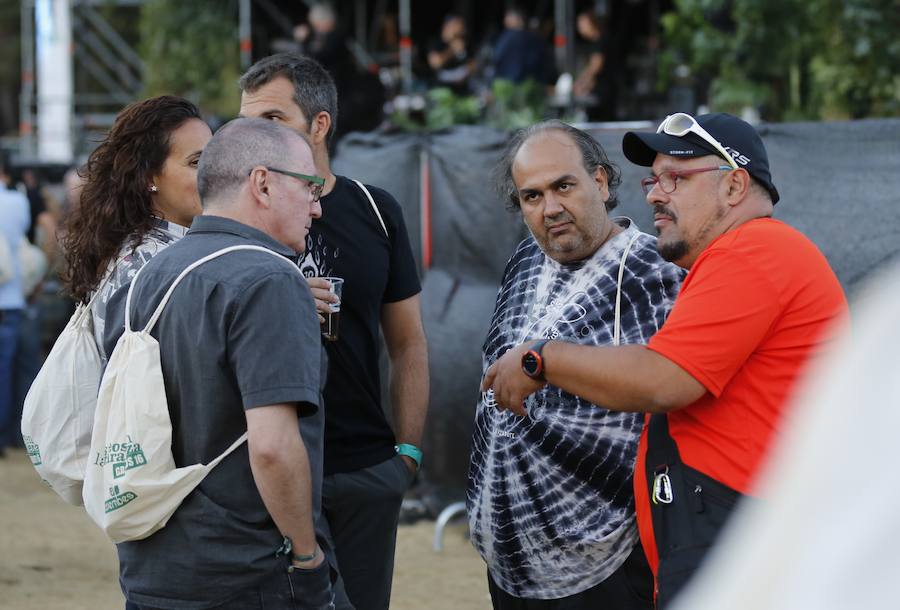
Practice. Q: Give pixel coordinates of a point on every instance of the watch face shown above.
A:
(531, 364)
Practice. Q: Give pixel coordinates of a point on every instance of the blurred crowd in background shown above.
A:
(46, 309)
(465, 59)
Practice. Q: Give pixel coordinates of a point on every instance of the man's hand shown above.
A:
(321, 291)
(510, 383)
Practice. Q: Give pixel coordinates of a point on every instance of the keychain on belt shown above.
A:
(662, 486)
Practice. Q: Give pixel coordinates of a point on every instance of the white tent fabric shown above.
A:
(826, 536)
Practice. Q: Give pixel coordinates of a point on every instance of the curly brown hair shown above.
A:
(115, 201)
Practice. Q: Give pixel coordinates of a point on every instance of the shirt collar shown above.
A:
(172, 228)
(218, 224)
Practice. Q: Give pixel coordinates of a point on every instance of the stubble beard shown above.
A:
(673, 251)
(677, 250)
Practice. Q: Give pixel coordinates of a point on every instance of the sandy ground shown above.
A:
(53, 558)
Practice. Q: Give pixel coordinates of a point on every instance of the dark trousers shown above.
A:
(10, 327)
(284, 590)
(362, 509)
(26, 364)
(628, 588)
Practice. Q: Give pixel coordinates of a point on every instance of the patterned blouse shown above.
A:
(125, 266)
(550, 499)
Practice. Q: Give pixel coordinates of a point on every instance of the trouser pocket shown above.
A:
(312, 589)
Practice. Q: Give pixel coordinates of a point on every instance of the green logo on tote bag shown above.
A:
(122, 456)
(117, 500)
(33, 450)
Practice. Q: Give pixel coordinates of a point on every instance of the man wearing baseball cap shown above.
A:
(758, 303)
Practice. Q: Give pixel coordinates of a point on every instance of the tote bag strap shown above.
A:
(228, 451)
(374, 207)
(618, 326)
(82, 311)
(188, 269)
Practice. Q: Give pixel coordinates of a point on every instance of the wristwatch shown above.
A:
(533, 362)
(287, 550)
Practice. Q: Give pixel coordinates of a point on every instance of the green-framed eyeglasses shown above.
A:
(316, 184)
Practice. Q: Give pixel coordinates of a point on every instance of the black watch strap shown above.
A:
(533, 361)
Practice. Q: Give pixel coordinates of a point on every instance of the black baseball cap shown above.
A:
(738, 137)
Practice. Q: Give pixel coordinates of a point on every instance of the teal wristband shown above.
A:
(410, 451)
(305, 558)
(287, 549)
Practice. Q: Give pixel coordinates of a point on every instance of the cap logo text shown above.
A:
(737, 156)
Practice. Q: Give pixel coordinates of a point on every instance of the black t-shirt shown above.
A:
(349, 242)
(455, 72)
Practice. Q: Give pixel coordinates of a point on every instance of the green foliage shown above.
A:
(692, 40)
(788, 58)
(446, 109)
(514, 106)
(191, 49)
(10, 43)
(509, 106)
(10, 67)
(857, 71)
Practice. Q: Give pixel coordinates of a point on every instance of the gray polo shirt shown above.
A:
(239, 332)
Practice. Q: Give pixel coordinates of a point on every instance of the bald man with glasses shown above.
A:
(758, 303)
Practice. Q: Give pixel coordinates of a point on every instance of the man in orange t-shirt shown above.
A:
(760, 301)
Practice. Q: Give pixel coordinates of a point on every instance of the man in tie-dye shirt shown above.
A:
(550, 500)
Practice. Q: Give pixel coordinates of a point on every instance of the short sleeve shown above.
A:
(403, 277)
(273, 342)
(725, 309)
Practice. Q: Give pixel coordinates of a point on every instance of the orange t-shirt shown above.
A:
(758, 302)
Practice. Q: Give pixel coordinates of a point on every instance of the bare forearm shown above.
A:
(281, 470)
(624, 378)
(409, 392)
(408, 351)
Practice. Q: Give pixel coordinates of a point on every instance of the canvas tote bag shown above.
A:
(7, 264)
(132, 486)
(59, 409)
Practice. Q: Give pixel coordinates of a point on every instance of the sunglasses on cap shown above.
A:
(681, 124)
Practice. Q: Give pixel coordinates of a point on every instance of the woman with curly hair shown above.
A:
(139, 196)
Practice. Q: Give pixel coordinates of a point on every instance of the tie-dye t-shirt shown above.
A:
(550, 500)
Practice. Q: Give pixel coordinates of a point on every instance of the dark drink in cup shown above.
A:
(331, 325)
(332, 321)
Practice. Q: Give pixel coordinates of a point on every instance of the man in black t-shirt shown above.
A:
(362, 238)
(595, 68)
